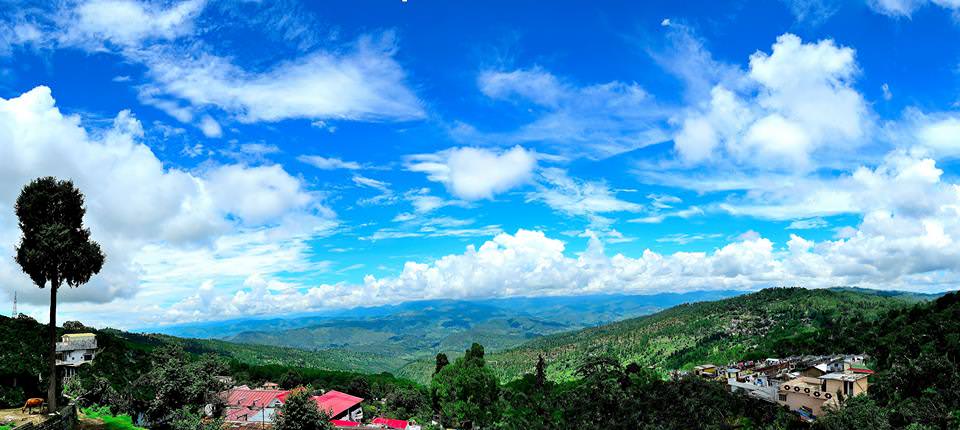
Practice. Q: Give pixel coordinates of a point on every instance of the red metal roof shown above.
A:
(860, 370)
(247, 398)
(391, 423)
(334, 402)
(238, 414)
(342, 423)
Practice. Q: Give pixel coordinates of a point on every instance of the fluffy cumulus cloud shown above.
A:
(476, 173)
(792, 104)
(886, 251)
(133, 200)
(598, 120)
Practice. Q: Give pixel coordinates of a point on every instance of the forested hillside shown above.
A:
(771, 322)
(131, 370)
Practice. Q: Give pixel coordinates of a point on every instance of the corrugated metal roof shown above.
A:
(391, 423)
(335, 403)
(247, 398)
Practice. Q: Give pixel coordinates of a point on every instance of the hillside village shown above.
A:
(806, 385)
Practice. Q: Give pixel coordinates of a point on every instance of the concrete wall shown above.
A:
(767, 393)
(64, 419)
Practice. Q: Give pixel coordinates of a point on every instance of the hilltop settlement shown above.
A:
(807, 385)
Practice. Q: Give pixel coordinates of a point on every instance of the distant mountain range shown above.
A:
(666, 331)
(417, 329)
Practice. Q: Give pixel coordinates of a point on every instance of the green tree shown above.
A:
(860, 412)
(189, 419)
(541, 369)
(300, 412)
(442, 361)
(55, 248)
(467, 391)
(175, 381)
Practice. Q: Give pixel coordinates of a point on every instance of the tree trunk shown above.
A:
(52, 350)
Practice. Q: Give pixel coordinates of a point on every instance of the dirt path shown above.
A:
(13, 417)
(91, 424)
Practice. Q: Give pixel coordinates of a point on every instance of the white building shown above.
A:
(757, 385)
(75, 350)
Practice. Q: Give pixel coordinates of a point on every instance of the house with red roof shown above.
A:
(259, 406)
(340, 406)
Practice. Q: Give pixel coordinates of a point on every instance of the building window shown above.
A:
(783, 397)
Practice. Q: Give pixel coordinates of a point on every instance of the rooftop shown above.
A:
(77, 341)
(845, 376)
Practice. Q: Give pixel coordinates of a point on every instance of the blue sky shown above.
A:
(253, 158)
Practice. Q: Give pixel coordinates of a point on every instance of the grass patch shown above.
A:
(110, 421)
(6, 428)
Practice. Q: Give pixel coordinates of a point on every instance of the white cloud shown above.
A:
(126, 23)
(906, 8)
(596, 121)
(210, 127)
(364, 83)
(133, 201)
(812, 11)
(807, 224)
(184, 76)
(476, 173)
(573, 197)
(802, 103)
(903, 184)
(884, 253)
(328, 163)
(937, 134)
(659, 216)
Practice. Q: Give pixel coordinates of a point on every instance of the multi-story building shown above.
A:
(810, 396)
(75, 350)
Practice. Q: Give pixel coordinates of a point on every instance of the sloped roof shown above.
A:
(343, 423)
(335, 403)
(238, 414)
(391, 423)
(246, 398)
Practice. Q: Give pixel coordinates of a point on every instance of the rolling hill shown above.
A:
(414, 330)
(771, 322)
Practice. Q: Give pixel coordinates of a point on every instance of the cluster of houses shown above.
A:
(255, 408)
(808, 385)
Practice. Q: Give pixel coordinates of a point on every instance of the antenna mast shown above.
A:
(15, 304)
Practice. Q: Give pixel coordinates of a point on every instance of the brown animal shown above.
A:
(35, 402)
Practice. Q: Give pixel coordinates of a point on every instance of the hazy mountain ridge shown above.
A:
(420, 329)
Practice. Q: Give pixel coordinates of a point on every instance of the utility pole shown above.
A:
(15, 304)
